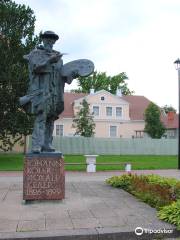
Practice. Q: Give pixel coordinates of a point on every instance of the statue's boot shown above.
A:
(48, 148)
(36, 149)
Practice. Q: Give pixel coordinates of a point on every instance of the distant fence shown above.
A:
(114, 146)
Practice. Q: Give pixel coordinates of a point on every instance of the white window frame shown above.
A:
(110, 131)
(111, 111)
(98, 111)
(171, 133)
(60, 135)
(121, 112)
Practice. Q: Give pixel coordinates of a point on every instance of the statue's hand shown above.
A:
(75, 74)
(55, 58)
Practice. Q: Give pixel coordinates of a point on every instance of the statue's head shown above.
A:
(49, 38)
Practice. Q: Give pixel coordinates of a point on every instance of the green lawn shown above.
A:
(14, 162)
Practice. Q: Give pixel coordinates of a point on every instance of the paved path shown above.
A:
(90, 210)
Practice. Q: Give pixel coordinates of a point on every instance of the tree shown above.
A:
(99, 81)
(167, 109)
(153, 124)
(83, 121)
(16, 39)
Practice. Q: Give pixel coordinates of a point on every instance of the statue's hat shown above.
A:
(49, 34)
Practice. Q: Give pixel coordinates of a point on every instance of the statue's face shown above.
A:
(48, 43)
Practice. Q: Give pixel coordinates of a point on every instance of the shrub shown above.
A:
(155, 190)
(177, 190)
(171, 213)
(123, 181)
(152, 193)
(163, 181)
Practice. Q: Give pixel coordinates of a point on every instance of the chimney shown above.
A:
(170, 116)
(92, 91)
(118, 92)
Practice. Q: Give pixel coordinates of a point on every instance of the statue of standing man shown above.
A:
(45, 96)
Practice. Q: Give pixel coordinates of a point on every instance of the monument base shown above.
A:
(43, 177)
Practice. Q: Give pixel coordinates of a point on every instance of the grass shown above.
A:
(14, 162)
(11, 162)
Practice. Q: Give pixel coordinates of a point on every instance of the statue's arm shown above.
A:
(70, 77)
(41, 66)
(41, 62)
(44, 64)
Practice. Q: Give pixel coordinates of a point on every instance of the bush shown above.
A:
(154, 194)
(157, 191)
(123, 181)
(171, 213)
(163, 181)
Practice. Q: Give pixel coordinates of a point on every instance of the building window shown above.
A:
(119, 112)
(59, 130)
(102, 98)
(171, 133)
(113, 131)
(96, 110)
(108, 111)
(139, 133)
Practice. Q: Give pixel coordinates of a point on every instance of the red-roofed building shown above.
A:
(114, 115)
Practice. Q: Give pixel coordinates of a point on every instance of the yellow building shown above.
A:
(114, 115)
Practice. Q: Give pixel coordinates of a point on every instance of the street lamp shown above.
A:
(177, 66)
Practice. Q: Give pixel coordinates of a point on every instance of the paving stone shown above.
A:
(103, 212)
(28, 226)
(114, 203)
(112, 221)
(58, 223)
(11, 212)
(80, 214)
(86, 223)
(14, 196)
(76, 203)
(16, 186)
(3, 193)
(124, 212)
(31, 215)
(45, 206)
(58, 213)
(5, 186)
(93, 200)
(97, 205)
(7, 225)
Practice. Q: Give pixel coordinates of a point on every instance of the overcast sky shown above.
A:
(139, 37)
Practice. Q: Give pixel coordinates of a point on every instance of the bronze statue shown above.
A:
(45, 96)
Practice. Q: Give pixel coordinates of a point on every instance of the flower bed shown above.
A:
(159, 192)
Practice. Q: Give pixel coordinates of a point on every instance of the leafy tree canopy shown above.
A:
(167, 109)
(16, 39)
(100, 80)
(153, 124)
(83, 121)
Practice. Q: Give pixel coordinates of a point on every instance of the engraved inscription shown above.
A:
(44, 178)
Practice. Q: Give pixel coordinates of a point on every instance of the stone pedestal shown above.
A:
(91, 163)
(128, 167)
(44, 177)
